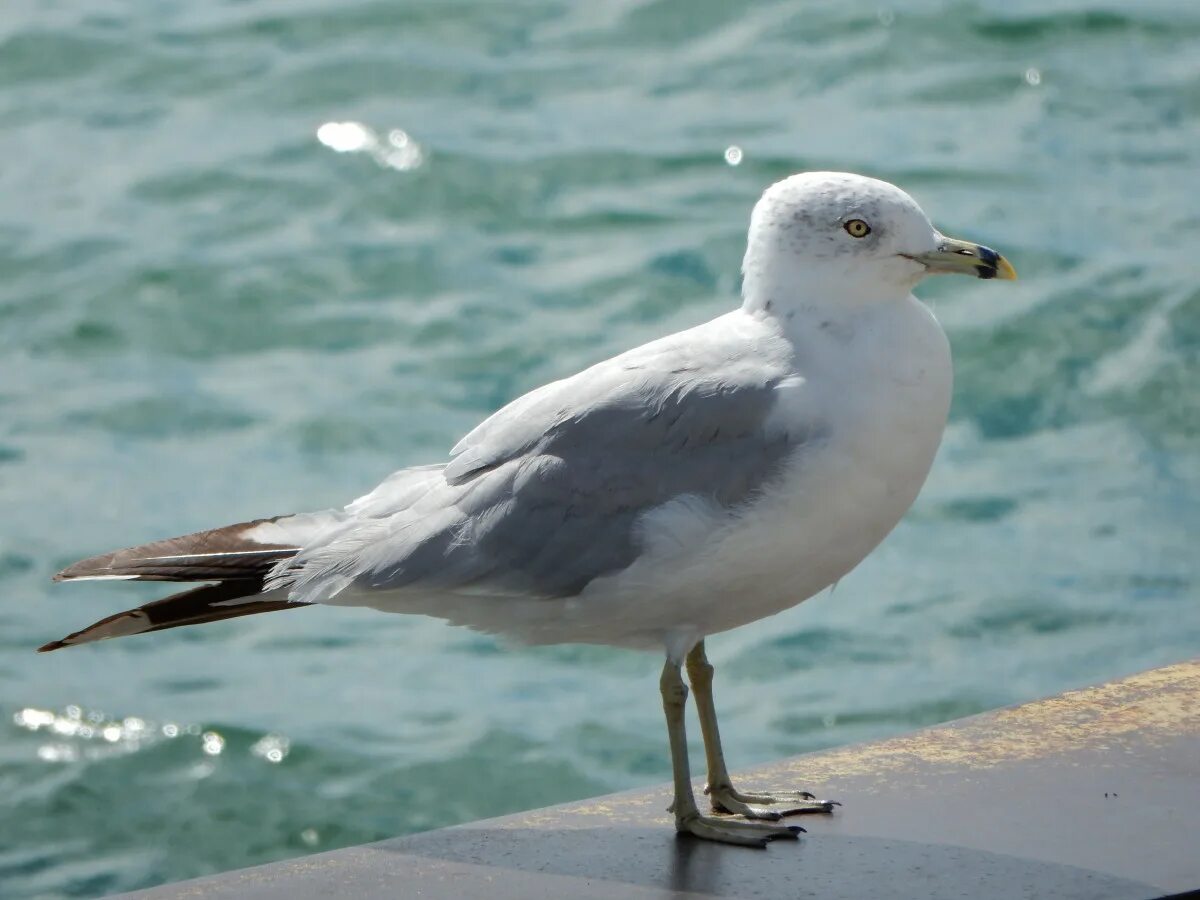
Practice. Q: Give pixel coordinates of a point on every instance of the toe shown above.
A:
(745, 834)
(816, 808)
(726, 804)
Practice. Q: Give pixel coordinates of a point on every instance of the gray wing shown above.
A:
(546, 495)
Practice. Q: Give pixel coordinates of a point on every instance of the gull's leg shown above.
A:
(721, 792)
(687, 816)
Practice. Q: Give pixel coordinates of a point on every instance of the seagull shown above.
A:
(686, 487)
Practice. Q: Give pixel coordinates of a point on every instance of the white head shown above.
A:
(822, 236)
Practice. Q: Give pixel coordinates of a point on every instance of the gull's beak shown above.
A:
(965, 258)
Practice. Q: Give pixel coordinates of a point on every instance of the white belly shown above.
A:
(876, 397)
(885, 395)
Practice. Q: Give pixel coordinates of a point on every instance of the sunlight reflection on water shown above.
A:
(81, 734)
(222, 298)
(397, 150)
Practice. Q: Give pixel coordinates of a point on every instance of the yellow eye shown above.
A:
(857, 228)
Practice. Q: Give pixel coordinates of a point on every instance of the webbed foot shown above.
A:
(768, 805)
(731, 831)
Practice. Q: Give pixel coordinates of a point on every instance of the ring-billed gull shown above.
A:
(686, 487)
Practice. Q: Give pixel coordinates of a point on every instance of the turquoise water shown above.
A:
(213, 308)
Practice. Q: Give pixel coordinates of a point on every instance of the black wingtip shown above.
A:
(132, 621)
(93, 565)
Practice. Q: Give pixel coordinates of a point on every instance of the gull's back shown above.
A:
(552, 492)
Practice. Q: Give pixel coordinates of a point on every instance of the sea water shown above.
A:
(254, 256)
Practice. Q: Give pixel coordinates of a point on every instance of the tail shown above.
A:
(210, 603)
(237, 557)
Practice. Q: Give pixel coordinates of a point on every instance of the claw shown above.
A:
(727, 799)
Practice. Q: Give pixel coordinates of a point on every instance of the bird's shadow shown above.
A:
(651, 857)
(818, 865)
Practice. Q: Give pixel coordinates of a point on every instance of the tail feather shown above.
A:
(219, 554)
(210, 603)
(237, 557)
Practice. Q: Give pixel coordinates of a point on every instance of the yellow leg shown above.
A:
(687, 817)
(721, 792)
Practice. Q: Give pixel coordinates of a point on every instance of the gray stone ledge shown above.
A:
(1092, 794)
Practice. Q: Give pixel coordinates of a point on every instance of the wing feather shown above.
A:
(547, 494)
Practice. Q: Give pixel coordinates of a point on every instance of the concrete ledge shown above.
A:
(1092, 794)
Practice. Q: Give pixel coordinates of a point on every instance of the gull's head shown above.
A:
(823, 236)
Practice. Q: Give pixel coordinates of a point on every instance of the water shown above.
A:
(207, 313)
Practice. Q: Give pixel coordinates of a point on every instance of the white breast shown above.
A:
(874, 393)
(879, 392)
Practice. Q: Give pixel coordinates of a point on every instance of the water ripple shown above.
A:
(255, 256)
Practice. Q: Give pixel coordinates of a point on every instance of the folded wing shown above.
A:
(552, 491)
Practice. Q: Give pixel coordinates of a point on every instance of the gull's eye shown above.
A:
(857, 228)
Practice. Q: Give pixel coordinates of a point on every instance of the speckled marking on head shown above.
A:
(798, 241)
(808, 212)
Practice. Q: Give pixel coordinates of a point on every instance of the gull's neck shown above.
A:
(823, 322)
(781, 284)
(806, 306)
